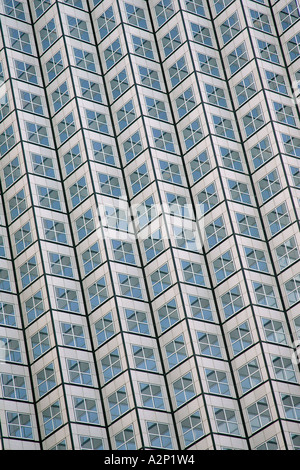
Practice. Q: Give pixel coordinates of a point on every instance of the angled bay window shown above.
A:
(10, 350)
(90, 90)
(261, 152)
(126, 115)
(118, 403)
(217, 382)
(245, 89)
(54, 231)
(208, 198)
(289, 14)
(73, 335)
(14, 9)
(139, 179)
(247, 225)
(7, 314)
(192, 134)
(287, 253)
(123, 251)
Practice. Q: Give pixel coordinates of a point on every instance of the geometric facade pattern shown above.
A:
(149, 224)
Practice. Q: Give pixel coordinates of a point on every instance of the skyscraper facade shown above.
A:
(149, 224)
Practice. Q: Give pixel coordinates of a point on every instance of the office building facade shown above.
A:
(149, 224)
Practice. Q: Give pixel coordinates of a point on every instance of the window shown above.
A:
(72, 159)
(269, 185)
(118, 403)
(54, 231)
(278, 218)
(14, 9)
(133, 146)
(103, 153)
(296, 441)
(7, 140)
(261, 152)
(295, 173)
(136, 16)
(249, 375)
(291, 145)
(192, 273)
(19, 40)
(168, 315)
(259, 414)
(200, 166)
(184, 389)
(245, 89)
(130, 286)
(208, 198)
(178, 71)
(126, 115)
(96, 121)
(195, 6)
(294, 47)
(113, 54)
(37, 134)
(78, 191)
(232, 301)
(200, 308)
(146, 212)
(192, 428)
(40, 342)
(91, 443)
(91, 258)
(159, 435)
(176, 351)
(73, 335)
(144, 358)
(104, 328)
(106, 22)
(221, 4)
(268, 51)
(52, 418)
(223, 266)
(185, 238)
(164, 10)
(26, 72)
(209, 344)
(111, 365)
(78, 28)
(284, 113)
(208, 65)
(54, 66)
(19, 425)
(217, 382)
(253, 120)
(240, 338)
(137, 321)
(291, 405)
(10, 350)
(156, 108)
(142, 47)
(171, 41)
(153, 245)
(29, 272)
(201, 34)
(14, 387)
(119, 84)
(4, 106)
(293, 290)
(192, 134)
(34, 306)
(287, 253)
(230, 28)
(60, 96)
(67, 300)
(85, 410)
(163, 140)
(123, 251)
(85, 225)
(48, 198)
(256, 259)
(151, 395)
(97, 293)
(223, 127)
(284, 369)
(238, 58)
(90, 90)
(276, 82)
(216, 95)
(139, 179)
(226, 421)
(116, 218)
(260, 21)
(12, 172)
(48, 34)
(149, 77)
(247, 225)
(124, 440)
(41, 6)
(60, 265)
(42, 165)
(46, 379)
(215, 232)
(84, 59)
(289, 14)
(7, 314)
